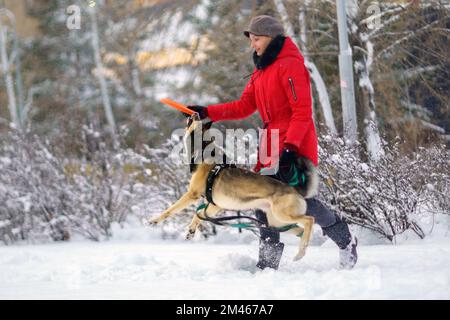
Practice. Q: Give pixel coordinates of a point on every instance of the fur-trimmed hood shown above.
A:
(270, 54)
(312, 178)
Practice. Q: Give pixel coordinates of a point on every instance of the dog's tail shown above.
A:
(311, 187)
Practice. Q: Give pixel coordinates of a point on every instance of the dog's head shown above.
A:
(195, 129)
(195, 125)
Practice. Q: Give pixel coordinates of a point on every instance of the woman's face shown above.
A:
(259, 43)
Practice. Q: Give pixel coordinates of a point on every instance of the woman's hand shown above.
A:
(288, 171)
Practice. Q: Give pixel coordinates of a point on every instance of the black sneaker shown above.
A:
(348, 256)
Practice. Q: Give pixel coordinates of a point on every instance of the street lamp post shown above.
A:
(346, 76)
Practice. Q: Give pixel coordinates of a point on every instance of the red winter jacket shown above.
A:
(282, 94)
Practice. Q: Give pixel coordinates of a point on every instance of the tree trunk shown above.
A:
(321, 88)
(100, 72)
(365, 96)
(8, 78)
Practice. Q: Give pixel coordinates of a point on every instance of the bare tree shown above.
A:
(314, 71)
(100, 70)
(7, 66)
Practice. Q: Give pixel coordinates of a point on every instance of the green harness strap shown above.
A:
(294, 180)
(289, 227)
(202, 206)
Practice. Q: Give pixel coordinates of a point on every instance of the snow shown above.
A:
(141, 266)
(6, 161)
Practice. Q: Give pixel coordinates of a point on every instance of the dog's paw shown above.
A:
(152, 222)
(190, 234)
(299, 255)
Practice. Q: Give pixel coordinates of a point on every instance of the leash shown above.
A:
(253, 225)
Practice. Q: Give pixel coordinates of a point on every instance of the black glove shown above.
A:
(288, 170)
(201, 110)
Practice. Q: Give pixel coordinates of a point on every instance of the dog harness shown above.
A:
(212, 175)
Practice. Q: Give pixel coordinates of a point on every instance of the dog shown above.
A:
(239, 189)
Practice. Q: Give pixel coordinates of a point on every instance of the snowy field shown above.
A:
(127, 268)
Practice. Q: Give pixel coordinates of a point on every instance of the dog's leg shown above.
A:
(307, 223)
(185, 201)
(211, 211)
(290, 209)
(297, 231)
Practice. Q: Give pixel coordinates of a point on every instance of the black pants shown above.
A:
(322, 215)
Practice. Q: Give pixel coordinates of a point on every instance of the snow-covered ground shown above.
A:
(149, 268)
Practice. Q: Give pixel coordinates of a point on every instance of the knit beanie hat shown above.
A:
(264, 26)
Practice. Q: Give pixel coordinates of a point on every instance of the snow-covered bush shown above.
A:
(31, 189)
(47, 196)
(434, 178)
(388, 195)
(104, 186)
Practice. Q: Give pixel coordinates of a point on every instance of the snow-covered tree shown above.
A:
(100, 71)
(302, 43)
(6, 62)
(388, 53)
(388, 196)
(377, 31)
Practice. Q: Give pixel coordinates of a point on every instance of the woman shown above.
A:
(279, 89)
